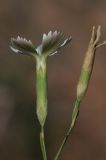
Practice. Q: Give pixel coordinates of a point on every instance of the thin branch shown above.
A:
(42, 142)
(72, 125)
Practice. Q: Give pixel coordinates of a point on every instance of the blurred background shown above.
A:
(19, 128)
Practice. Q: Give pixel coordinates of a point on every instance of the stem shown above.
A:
(41, 92)
(42, 142)
(73, 122)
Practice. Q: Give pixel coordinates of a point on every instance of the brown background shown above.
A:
(19, 129)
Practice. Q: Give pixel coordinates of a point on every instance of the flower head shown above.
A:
(51, 44)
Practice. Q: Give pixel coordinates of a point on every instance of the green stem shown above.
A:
(73, 122)
(42, 142)
(41, 92)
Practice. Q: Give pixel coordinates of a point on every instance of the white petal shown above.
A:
(55, 33)
(44, 37)
(53, 53)
(50, 33)
(18, 38)
(14, 50)
(66, 41)
(30, 41)
(25, 40)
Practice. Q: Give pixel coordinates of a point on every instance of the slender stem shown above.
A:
(42, 142)
(41, 91)
(73, 122)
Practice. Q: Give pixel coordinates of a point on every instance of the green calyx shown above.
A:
(83, 83)
(41, 89)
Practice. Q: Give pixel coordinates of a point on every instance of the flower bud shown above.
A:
(88, 63)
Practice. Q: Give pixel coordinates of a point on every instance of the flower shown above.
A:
(51, 44)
